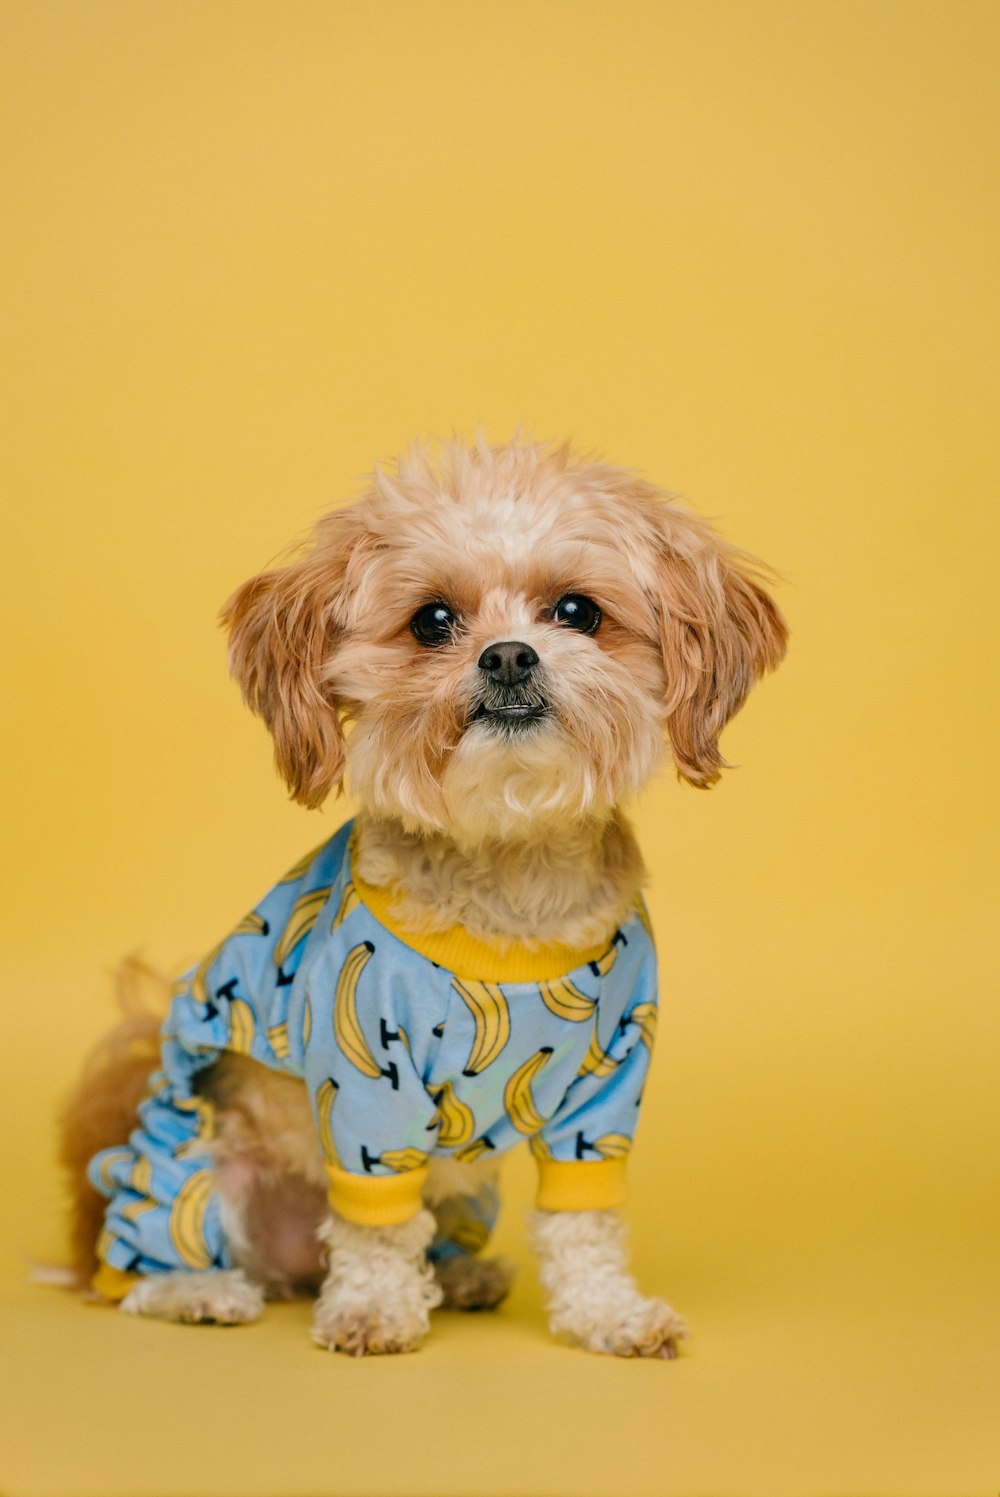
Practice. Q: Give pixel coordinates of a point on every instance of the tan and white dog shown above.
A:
(493, 645)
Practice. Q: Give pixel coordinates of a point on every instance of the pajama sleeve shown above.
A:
(581, 1151)
(377, 1123)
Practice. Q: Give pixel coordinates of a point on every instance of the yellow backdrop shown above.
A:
(750, 248)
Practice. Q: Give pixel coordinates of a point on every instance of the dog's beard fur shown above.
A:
(436, 754)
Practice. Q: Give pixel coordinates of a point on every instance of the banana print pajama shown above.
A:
(410, 1046)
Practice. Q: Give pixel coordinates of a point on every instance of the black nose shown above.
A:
(509, 662)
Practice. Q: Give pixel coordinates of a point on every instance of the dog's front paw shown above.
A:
(369, 1330)
(632, 1327)
(379, 1291)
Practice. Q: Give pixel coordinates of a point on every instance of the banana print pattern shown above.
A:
(140, 1180)
(349, 902)
(469, 1153)
(492, 1015)
(598, 1061)
(241, 1026)
(325, 1098)
(401, 1161)
(346, 1024)
(277, 1038)
(187, 1219)
(402, 1059)
(644, 1014)
(517, 1098)
(566, 1001)
(604, 963)
(305, 913)
(613, 1145)
(454, 1119)
(251, 925)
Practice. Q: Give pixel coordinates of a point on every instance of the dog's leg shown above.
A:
(592, 1298)
(215, 1297)
(465, 1202)
(379, 1289)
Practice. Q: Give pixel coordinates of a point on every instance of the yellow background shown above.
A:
(749, 248)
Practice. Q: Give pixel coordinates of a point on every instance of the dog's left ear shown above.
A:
(719, 631)
(283, 629)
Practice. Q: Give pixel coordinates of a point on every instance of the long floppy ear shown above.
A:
(283, 628)
(719, 632)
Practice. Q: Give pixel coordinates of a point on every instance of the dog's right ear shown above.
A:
(283, 629)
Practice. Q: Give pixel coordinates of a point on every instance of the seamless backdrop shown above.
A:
(750, 248)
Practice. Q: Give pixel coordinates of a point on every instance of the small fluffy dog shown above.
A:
(492, 644)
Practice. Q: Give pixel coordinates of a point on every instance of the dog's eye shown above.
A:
(434, 624)
(578, 612)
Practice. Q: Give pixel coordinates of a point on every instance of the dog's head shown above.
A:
(507, 632)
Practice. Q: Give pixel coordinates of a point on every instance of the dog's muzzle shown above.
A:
(509, 697)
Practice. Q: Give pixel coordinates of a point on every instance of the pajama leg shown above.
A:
(163, 1209)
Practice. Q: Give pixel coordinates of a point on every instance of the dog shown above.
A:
(495, 644)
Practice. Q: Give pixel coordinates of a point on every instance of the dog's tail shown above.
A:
(101, 1109)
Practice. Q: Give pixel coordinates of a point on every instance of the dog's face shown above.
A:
(507, 632)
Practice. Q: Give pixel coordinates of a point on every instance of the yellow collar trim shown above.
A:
(467, 956)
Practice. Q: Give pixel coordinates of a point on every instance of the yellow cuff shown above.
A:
(580, 1185)
(113, 1283)
(376, 1200)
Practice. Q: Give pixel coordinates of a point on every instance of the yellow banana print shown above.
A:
(187, 1218)
(348, 901)
(241, 1026)
(604, 963)
(471, 1152)
(251, 925)
(517, 1098)
(111, 1158)
(469, 1233)
(613, 1145)
(539, 1147)
(644, 1014)
(307, 1023)
(489, 1009)
(140, 1180)
(325, 1098)
(597, 1061)
(456, 1123)
(278, 1039)
(345, 1011)
(565, 1000)
(305, 913)
(205, 1125)
(199, 983)
(402, 1160)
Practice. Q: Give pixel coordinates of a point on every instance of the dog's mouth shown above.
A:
(509, 713)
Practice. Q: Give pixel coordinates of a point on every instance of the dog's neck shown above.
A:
(570, 887)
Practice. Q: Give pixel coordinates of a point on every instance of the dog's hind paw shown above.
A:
(215, 1297)
(473, 1283)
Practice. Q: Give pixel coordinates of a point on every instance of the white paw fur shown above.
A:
(216, 1297)
(379, 1290)
(592, 1298)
